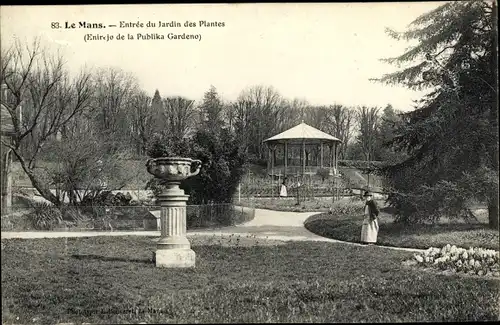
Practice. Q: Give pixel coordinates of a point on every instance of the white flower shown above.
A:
(471, 262)
(419, 258)
(465, 255)
(477, 265)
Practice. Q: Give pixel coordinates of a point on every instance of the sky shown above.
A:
(324, 53)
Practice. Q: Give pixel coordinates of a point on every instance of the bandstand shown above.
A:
(302, 151)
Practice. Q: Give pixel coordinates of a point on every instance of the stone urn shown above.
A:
(173, 250)
(173, 169)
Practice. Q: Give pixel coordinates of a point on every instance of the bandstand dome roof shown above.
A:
(302, 132)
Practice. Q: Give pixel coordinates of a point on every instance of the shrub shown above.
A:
(44, 216)
(422, 197)
(106, 198)
(347, 207)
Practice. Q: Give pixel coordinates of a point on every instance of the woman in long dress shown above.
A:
(283, 191)
(369, 230)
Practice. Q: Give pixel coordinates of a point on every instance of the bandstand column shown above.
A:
(321, 164)
(303, 157)
(336, 156)
(273, 148)
(286, 159)
(330, 155)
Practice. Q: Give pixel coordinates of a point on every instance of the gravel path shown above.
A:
(267, 224)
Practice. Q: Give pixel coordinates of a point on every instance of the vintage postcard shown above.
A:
(249, 162)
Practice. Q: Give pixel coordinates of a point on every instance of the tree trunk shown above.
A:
(493, 119)
(493, 212)
(40, 187)
(6, 180)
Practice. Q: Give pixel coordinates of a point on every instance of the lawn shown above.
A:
(112, 280)
(347, 227)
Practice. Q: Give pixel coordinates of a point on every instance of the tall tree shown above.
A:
(293, 112)
(212, 109)
(368, 119)
(143, 121)
(452, 135)
(157, 101)
(390, 120)
(262, 106)
(41, 86)
(180, 114)
(113, 94)
(340, 125)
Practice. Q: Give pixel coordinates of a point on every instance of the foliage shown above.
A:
(85, 167)
(455, 58)
(165, 145)
(44, 216)
(222, 167)
(106, 198)
(450, 199)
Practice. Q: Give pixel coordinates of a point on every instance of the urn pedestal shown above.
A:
(173, 249)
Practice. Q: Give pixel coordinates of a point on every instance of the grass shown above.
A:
(347, 227)
(112, 280)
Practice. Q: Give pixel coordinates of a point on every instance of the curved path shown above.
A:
(267, 224)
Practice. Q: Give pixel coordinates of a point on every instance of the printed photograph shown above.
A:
(250, 163)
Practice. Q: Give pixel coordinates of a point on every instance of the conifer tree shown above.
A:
(451, 137)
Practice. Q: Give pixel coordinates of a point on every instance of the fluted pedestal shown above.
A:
(173, 250)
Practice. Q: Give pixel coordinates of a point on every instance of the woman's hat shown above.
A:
(367, 193)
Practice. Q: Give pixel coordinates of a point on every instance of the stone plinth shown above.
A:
(175, 258)
(173, 249)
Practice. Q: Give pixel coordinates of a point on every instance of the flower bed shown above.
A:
(474, 260)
